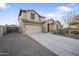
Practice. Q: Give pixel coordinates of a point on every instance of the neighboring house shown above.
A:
(31, 21)
(74, 25)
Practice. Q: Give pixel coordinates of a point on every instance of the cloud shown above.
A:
(64, 8)
(4, 6)
(72, 4)
(53, 15)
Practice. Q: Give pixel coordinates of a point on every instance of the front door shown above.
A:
(48, 27)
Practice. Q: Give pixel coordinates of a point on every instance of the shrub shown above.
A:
(60, 32)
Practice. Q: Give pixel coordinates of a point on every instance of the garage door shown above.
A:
(33, 28)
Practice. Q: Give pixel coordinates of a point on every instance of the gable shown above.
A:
(49, 21)
(57, 22)
(22, 10)
(30, 15)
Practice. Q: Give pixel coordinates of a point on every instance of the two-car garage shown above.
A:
(32, 28)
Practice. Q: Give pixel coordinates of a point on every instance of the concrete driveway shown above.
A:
(62, 46)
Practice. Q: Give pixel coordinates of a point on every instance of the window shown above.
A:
(57, 26)
(32, 16)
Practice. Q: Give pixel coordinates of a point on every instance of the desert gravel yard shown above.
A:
(17, 44)
(60, 45)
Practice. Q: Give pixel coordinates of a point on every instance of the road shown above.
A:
(17, 44)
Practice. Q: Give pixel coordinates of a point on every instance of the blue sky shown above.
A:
(9, 12)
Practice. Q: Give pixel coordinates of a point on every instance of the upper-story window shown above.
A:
(32, 16)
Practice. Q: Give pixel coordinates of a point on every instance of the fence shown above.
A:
(1, 30)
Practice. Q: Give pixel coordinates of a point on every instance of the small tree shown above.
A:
(68, 18)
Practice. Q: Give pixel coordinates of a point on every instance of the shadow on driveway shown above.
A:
(17, 44)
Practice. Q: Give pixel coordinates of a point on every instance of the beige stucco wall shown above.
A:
(42, 19)
(21, 24)
(23, 15)
(52, 26)
(55, 26)
(45, 26)
(28, 16)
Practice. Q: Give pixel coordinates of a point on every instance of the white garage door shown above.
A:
(33, 28)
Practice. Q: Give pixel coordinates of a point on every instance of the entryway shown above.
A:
(48, 28)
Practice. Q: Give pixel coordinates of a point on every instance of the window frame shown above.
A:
(32, 16)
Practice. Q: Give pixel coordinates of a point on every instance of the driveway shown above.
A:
(17, 44)
(62, 46)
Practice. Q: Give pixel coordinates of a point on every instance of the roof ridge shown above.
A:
(32, 10)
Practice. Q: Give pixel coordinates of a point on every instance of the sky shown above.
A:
(9, 11)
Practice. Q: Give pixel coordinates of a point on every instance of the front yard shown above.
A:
(62, 33)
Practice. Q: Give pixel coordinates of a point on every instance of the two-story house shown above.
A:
(31, 21)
